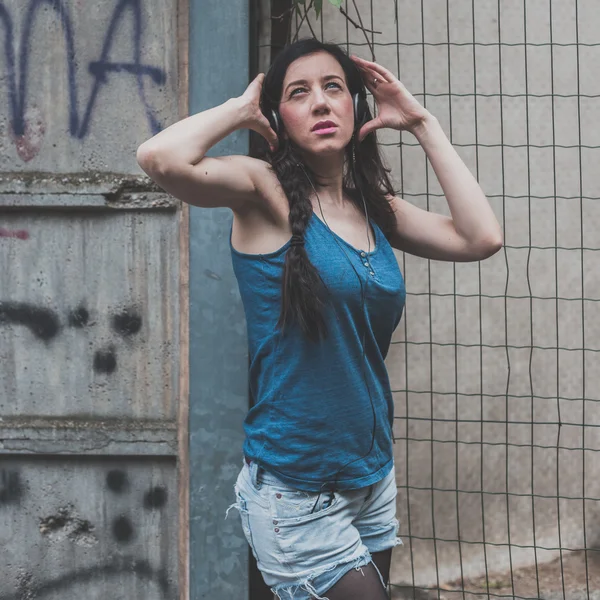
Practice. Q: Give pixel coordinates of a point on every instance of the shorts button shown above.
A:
(276, 529)
(278, 495)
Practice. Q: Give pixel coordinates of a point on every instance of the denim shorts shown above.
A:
(304, 542)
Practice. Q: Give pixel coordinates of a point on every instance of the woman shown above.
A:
(314, 224)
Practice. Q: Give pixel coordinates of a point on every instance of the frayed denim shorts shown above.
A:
(304, 542)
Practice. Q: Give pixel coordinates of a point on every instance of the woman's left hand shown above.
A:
(396, 106)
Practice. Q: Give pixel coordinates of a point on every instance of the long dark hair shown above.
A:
(303, 291)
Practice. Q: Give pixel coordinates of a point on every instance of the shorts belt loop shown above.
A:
(254, 474)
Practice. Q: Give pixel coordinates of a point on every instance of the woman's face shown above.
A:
(314, 89)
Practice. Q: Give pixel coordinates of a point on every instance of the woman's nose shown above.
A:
(320, 101)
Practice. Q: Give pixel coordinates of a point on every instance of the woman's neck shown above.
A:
(329, 188)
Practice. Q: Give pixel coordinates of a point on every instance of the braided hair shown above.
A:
(303, 293)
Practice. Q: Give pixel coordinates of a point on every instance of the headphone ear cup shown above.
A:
(360, 110)
(274, 120)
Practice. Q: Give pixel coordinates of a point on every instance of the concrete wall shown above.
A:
(218, 350)
(478, 344)
(89, 318)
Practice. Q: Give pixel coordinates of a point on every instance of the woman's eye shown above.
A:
(301, 89)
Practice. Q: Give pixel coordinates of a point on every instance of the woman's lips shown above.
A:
(325, 130)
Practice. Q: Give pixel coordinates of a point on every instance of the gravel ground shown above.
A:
(549, 579)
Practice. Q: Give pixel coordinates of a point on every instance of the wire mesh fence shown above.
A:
(495, 366)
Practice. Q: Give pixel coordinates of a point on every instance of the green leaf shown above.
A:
(318, 7)
(296, 4)
(336, 3)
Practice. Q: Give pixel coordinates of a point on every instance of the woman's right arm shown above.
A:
(175, 157)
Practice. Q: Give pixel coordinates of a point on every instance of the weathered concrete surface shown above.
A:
(218, 349)
(89, 297)
(74, 528)
(82, 85)
(88, 315)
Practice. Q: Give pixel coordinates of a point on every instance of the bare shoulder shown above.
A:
(262, 226)
(269, 188)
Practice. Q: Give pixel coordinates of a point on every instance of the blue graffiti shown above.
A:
(78, 126)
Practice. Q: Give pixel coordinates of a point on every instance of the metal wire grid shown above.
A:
(422, 285)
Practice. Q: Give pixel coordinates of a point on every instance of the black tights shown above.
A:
(354, 585)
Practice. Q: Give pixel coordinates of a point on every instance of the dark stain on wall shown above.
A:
(11, 488)
(45, 324)
(42, 322)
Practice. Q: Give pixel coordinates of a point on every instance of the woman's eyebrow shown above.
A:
(326, 78)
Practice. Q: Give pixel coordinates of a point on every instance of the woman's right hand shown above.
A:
(255, 120)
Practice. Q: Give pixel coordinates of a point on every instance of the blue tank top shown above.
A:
(312, 413)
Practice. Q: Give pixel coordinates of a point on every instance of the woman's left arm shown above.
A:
(472, 232)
